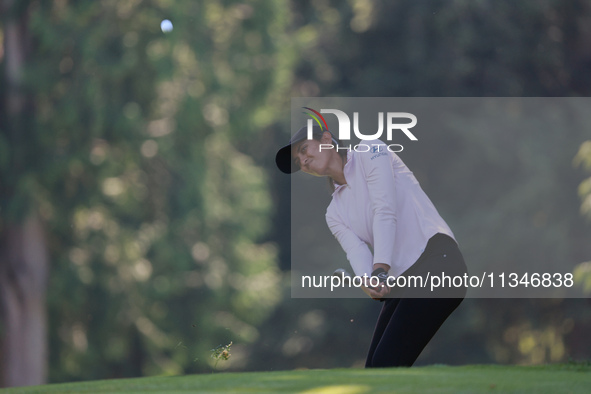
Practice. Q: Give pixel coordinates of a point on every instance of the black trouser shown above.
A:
(407, 323)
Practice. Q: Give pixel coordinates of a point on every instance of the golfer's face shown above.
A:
(309, 158)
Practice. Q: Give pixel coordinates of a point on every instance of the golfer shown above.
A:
(388, 227)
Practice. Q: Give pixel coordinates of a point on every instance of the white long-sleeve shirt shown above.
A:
(382, 206)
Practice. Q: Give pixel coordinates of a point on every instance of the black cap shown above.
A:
(283, 158)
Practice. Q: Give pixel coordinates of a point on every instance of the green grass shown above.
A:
(559, 378)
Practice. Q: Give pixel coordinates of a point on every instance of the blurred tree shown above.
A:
(583, 159)
(23, 251)
(485, 48)
(132, 160)
(137, 155)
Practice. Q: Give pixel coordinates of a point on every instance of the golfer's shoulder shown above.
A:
(370, 152)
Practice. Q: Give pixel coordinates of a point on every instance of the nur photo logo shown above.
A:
(391, 119)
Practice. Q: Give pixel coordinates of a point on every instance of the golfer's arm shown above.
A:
(379, 176)
(358, 253)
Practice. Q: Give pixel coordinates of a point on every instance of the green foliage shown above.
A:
(526, 213)
(423, 49)
(143, 153)
(583, 159)
(155, 220)
(582, 272)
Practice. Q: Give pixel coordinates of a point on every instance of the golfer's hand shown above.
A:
(377, 293)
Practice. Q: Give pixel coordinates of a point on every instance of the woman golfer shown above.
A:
(378, 205)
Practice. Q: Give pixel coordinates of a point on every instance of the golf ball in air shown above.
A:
(166, 26)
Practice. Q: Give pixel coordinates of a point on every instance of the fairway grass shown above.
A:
(560, 378)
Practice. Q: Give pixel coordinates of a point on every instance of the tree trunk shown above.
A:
(23, 277)
(23, 252)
